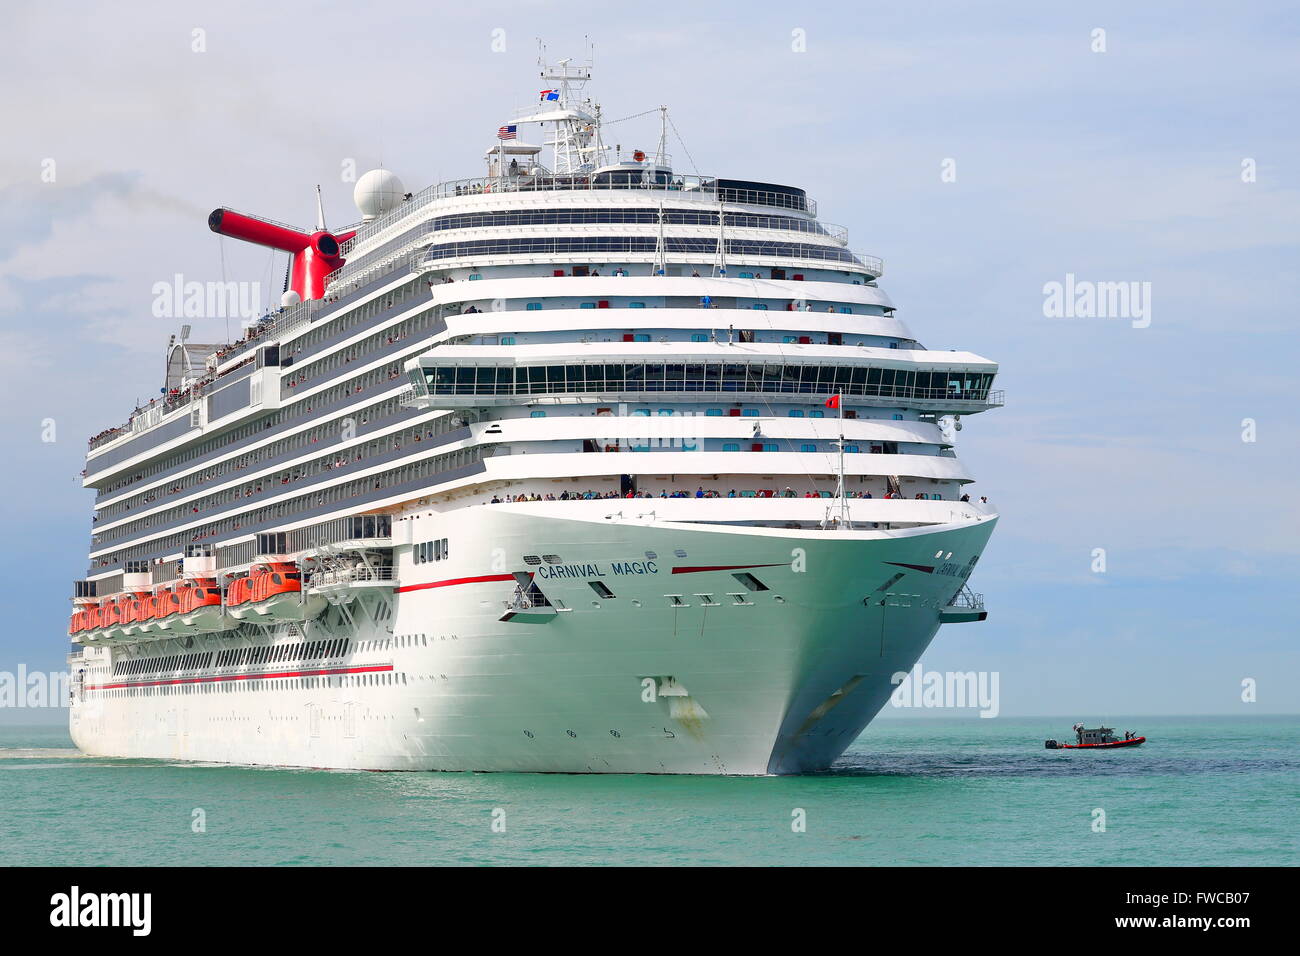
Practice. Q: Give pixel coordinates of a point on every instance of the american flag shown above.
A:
(507, 132)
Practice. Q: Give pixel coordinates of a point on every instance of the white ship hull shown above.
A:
(730, 681)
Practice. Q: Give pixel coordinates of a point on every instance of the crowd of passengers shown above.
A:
(174, 397)
(700, 492)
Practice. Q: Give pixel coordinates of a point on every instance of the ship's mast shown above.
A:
(575, 135)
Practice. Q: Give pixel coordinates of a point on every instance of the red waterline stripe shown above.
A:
(724, 567)
(450, 581)
(322, 672)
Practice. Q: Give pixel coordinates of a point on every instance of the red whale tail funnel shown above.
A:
(315, 254)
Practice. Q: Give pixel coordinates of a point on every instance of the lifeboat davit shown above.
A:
(272, 592)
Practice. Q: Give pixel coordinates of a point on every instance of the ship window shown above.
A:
(713, 411)
(587, 305)
(533, 306)
(730, 446)
(600, 589)
(761, 306)
(537, 414)
(474, 276)
(507, 340)
(796, 413)
(769, 446)
(665, 411)
(816, 413)
(807, 447)
(750, 413)
(641, 337)
(788, 339)
(641, 411)
(852, 448)
(636, 305)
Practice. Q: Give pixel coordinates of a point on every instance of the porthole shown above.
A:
(615, 733)
(571, 734)
(528, 734)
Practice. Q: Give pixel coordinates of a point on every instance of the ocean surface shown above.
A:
(1222, 791)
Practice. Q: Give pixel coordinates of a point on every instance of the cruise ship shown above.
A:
(584, 464)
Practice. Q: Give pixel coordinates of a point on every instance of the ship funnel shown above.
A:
(315, 254)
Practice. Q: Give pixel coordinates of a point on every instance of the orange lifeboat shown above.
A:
(201, 608)
(142, 612)
(151, 608)
(238, 593)
(273, 590)
(118, 617)
(110, 619)
(268, 580)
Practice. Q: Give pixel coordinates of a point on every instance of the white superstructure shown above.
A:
(582, 467)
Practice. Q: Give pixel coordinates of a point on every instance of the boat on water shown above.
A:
(1099, 738)
(498, 486)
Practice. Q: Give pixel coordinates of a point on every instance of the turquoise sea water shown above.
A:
(1214, 791)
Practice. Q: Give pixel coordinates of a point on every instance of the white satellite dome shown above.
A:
(289, 299)
(378, 192)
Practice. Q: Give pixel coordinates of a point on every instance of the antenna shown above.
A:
(320, 210)
(720, 262)
(661, 248)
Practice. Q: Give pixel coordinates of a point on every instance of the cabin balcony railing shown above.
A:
(635, 250)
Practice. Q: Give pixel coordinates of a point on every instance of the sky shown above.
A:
(983, 150)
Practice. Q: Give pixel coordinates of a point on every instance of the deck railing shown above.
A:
(702, 188)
